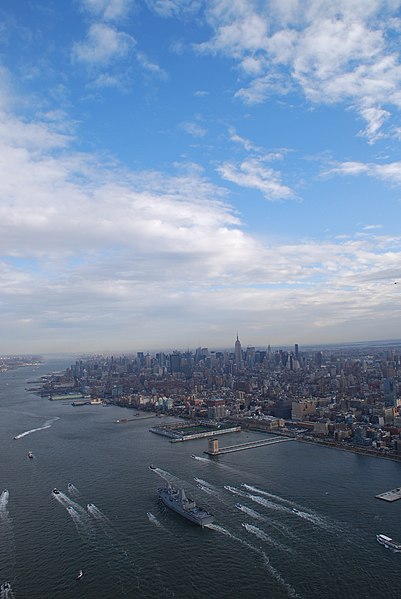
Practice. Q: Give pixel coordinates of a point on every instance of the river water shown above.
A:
(129, 545)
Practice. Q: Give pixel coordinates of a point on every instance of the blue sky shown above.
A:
(175, 171)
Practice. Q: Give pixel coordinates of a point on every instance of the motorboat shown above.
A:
(152, 467)
(80, 574)
(30, 455)
(388, 542)
(56, 491)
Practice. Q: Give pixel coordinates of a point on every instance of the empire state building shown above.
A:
(238, 352)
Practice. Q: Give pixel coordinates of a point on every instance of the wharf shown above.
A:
(188, 432)
(249, 445)
(125, 420)
(392, 495)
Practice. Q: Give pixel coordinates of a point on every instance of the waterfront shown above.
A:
(129, 545)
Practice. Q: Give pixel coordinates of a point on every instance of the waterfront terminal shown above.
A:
(194, 430)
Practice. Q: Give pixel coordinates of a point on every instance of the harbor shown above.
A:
(214, 448)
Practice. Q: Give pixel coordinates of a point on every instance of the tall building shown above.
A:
(238, 352)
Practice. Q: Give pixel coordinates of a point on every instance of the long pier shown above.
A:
(216, 450)
(393, 495)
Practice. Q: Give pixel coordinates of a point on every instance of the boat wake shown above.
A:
(197, 457)
(265, 537)
(96, 513)
(236, 491)
(266, 562)
(46, 425)
(83, 526)
(298, 510)
(269, 504)
(204, 483)
(250, 512)
(267, 494)
(170, 479)
(72, 490)
(4, 515)
(154, 520)
(68, 502)
(6, 591)
(7, 544)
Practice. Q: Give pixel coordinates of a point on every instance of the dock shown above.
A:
(392, 495)
(214, 448)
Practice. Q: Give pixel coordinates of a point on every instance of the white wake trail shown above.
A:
(46, 425)
(250, 512)
(267, 494)
(272, 571)
(265, 537)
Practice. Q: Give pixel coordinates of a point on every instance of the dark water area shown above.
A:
(129, 545)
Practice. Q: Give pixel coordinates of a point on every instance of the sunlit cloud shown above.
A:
(103, 44)
(254, 174)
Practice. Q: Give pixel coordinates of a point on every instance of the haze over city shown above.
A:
(173, 172)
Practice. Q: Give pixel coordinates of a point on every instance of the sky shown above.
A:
(173, 172)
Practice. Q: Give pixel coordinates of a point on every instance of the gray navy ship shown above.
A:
(176, 500)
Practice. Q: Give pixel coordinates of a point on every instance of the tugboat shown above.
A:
(176, 500)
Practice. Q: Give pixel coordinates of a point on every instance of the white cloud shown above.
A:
(252, 173)
(169, 8)
(194, 129)
(149, 66)
(109, 10)
(334, 51)
(103, 44)
(147, 256)
(390, 172)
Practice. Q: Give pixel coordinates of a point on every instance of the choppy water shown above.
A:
(108, 521)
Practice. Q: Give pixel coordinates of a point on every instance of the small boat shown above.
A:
(30, 455)
(56, 491)
(388, 542)
(80, 574)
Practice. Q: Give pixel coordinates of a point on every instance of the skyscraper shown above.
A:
(238, 352)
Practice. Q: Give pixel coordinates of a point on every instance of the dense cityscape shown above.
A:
(347, 396)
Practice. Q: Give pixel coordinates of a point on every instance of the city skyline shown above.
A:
(173, 172)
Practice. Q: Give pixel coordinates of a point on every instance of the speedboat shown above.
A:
(80, 574)
(295, 511)
(152, 467)
(56, 491)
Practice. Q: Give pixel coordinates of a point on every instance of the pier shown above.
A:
(214, 448)
(392, 495)
(194, 430)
